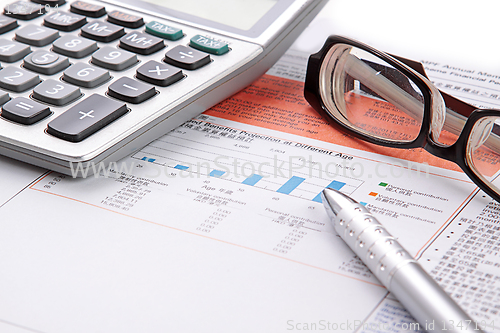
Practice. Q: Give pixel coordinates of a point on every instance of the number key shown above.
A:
(75, 47)
(11, 51)
(85, 75)
(7, 24)
(45, 62)
(17, 79)
(36, 35)
(114, 59)
(55, 92)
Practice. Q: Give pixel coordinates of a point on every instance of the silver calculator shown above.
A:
(89, 82)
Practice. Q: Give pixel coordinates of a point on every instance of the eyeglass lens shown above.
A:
(483, 150)
(373, 96)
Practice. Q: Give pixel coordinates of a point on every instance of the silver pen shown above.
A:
(402, 275)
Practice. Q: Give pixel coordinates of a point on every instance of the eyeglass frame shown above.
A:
(456, 152)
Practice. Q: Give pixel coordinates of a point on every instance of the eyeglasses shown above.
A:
(389, 101)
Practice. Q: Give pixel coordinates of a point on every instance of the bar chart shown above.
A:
(188, 153)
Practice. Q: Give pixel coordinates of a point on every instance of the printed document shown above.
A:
(218, 226)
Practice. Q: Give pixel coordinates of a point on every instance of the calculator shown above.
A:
(89, 82)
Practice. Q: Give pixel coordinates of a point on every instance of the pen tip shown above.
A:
(335, 200)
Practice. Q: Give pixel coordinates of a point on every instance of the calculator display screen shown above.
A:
(240, 14)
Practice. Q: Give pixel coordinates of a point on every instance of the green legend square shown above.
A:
(383, 184)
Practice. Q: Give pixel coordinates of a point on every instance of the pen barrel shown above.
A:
(399, 272)
(430, 305)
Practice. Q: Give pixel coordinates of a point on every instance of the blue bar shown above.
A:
(181, 167)
(252, 180)
(363, 203)
(334, 185)
(290, 185)
(318, 198)
(148, 159)
(216, 173)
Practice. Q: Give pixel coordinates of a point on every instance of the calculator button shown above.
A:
(7, 24)
(24, 10)
(73, 46)
(11, 51)
(209, 45)
(85, 75)
(132, 91)
(102, 31)
(36, 35)
(141, 43)
(159, 74)
(87, 9)
(186, 57)
(64, 21)
(4, 97)
(51, 3)
(55, 92)
(114, 59)
(86, 118)
(24, 111)
(17, 79)
(124, 19)
(45, 62)
(163, 31)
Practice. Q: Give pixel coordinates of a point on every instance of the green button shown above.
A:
(163, 31)
(209, 45)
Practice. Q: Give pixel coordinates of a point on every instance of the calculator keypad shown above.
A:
(75, 70)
